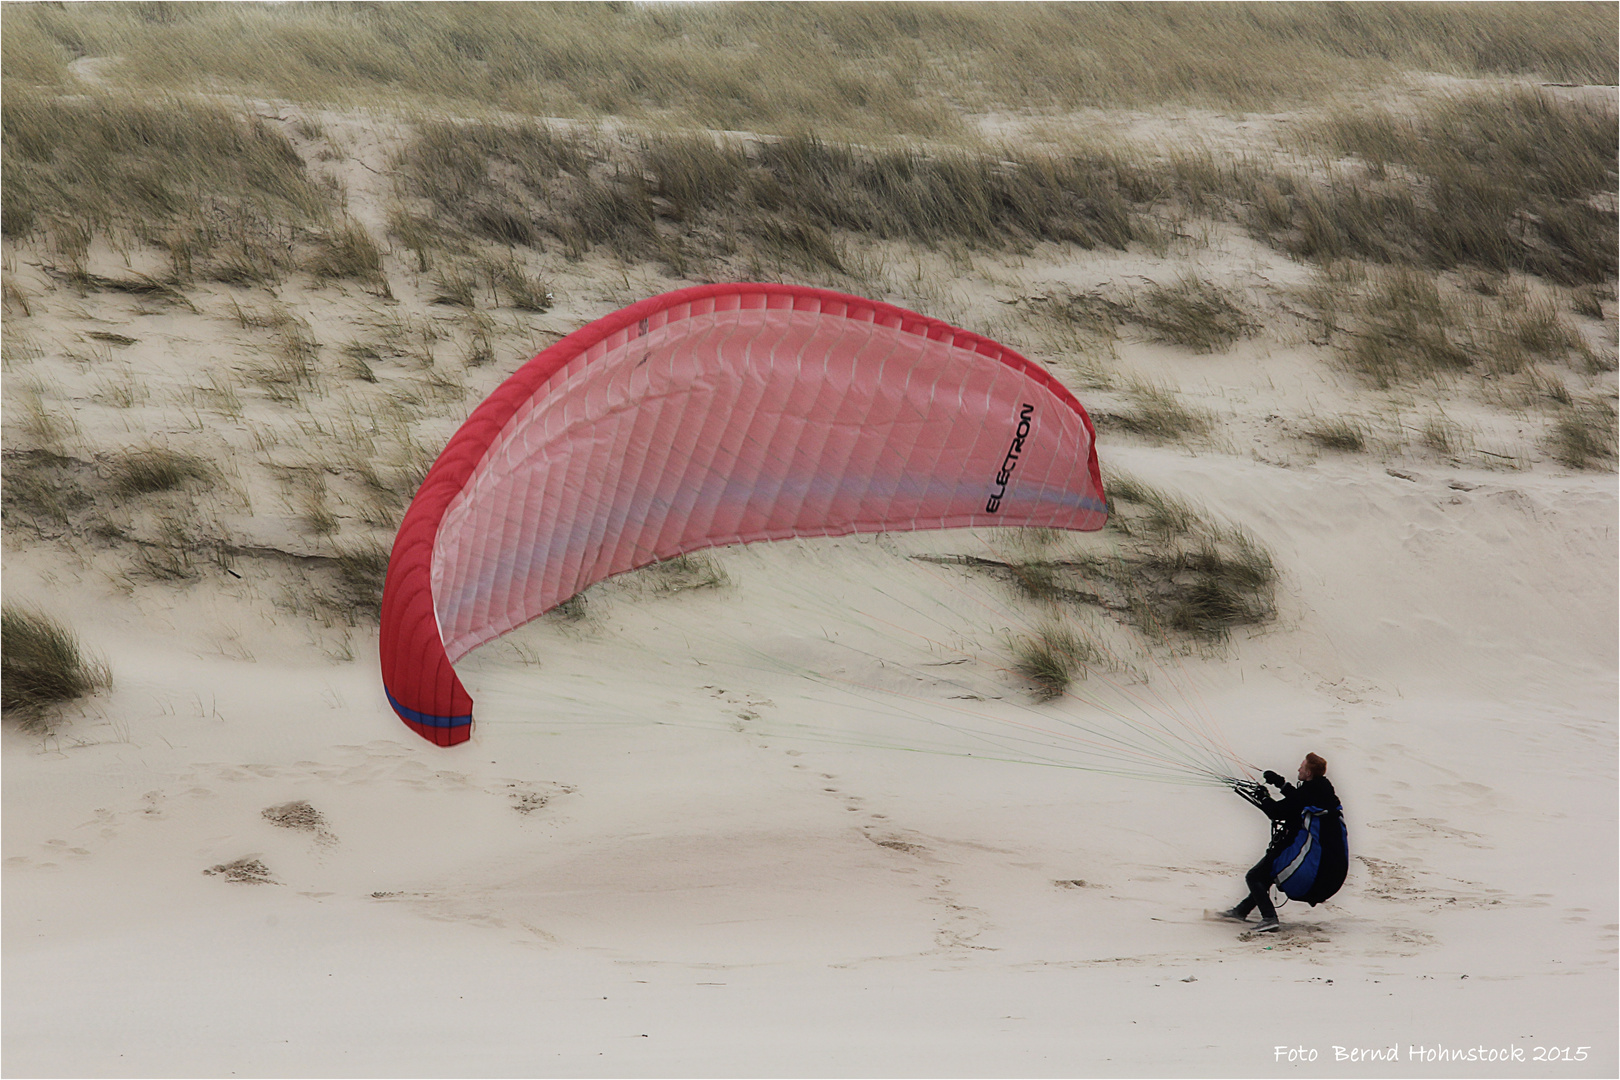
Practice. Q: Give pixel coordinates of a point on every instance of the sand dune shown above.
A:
(688, 837)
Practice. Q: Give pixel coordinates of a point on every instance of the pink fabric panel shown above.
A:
(743, 417)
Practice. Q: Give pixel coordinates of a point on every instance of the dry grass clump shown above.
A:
(1192, 313)
(697, 570)
(1588, 300)
(1393, 325)
(13, 300)
(314, 509)
(677, 200)
(349, 251)
(1178, 571)
(345, 587)
(223, 193)
(168, 546)
(455, 285)
(479, 347)
(1156, 513)
(157, 468)
(575, 609)
(358, 358)
(1598, 361)
(694, 173)
(488, 177)
(361, 570)
(1345, 436)
(479, 181)
(523, 290)
(40, 489)
(1442, 435)
(1155, 412)
(526, 293)
(17, 345)
(991, 201)
(1534, 332)
(1396, 325)
(1037, 578)
(1583, 437)
(289, 371)
(1052, 657)
(40, 423)
(1518, 180)
(1170, 571)
(1086, 317)
(42, 664)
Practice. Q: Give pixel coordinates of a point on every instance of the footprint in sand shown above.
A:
(527, 796)
(248, 870)
(301, 817)
(1404, 884)
(1289, 936)
(964, 922)
(893, 843)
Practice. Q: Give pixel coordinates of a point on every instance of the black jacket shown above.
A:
(1285, 812)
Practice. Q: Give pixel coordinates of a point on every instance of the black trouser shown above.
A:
(1259, 880)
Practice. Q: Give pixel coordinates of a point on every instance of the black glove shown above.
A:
(1273, 778)
(1252, 793)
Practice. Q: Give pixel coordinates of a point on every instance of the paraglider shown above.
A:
(715, 415)
(1308, 856)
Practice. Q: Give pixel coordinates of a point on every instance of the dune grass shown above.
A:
(1584, 436)
(289, 370)
(1084, 317)
(695, 199)
(1179, 571)
(906, 69)
(361, 570)
(522, 290)
(1344, 436)
(349, 251)
(221, 192)
(1441, 195)
(1156, 413)
(1404, 324)
(575, 609)
(1163, 566)
(1500, 181)
(1512, 180)
(157, 468)
(1052, 657)
(42, 664)
(697, 570)
(1394, 325)
(1193, 313)
(1588, 300)
(42, 490)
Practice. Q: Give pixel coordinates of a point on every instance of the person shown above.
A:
(1314, 789)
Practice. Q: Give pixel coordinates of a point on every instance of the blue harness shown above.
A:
(1312, 865)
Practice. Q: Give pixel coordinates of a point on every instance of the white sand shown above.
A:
(635, 867)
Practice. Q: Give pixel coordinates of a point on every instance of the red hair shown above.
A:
(1316, 765)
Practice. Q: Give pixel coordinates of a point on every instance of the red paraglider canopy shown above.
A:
(721, 414)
